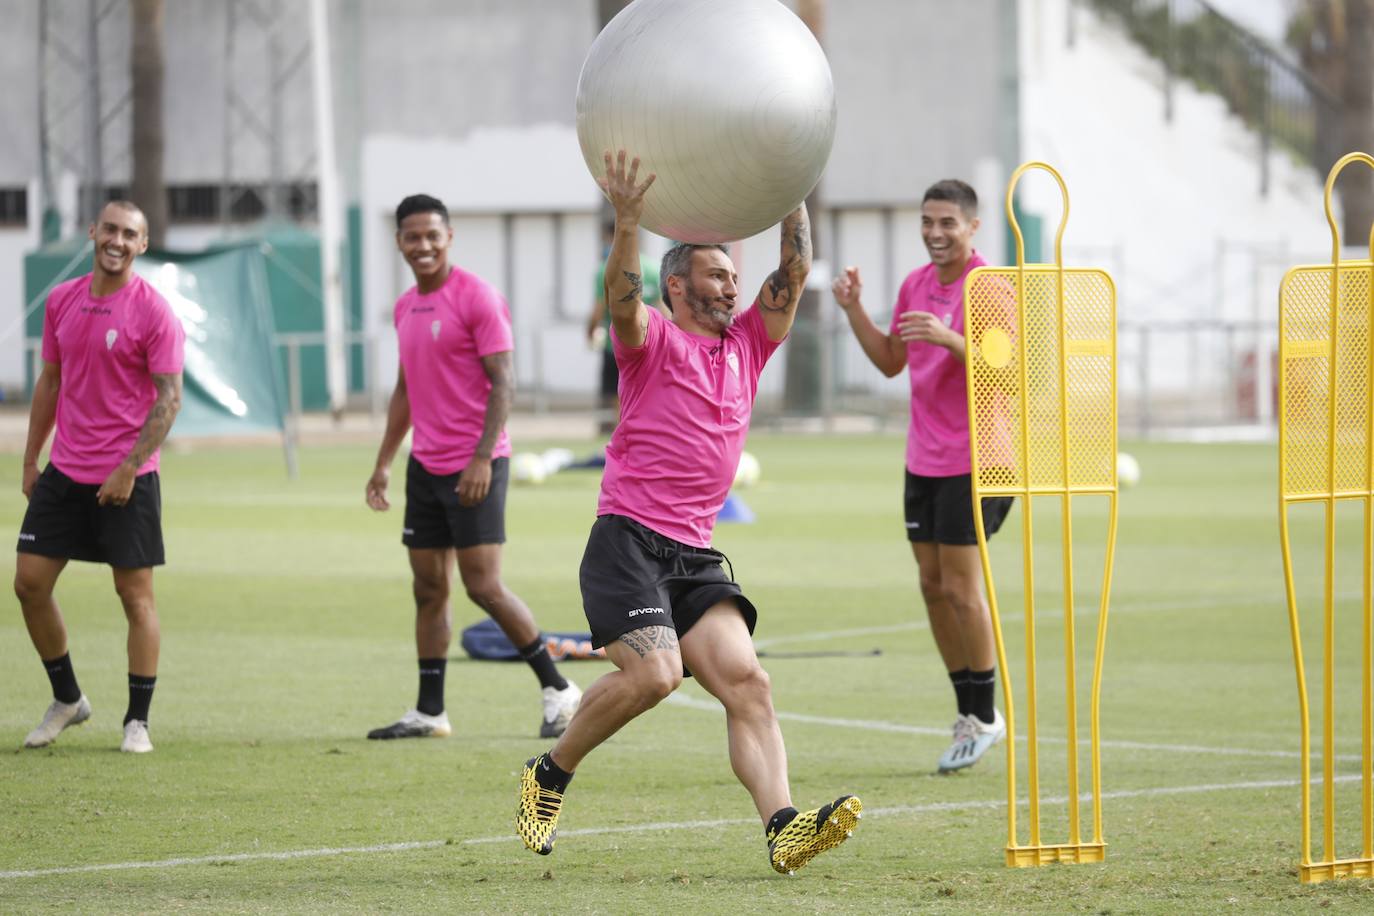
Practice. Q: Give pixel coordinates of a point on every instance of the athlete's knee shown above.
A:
(137, 601)
(431, 593)
(30, 590)
(932, 588)
(748, 686)
(658, 675)
(484, 591)
(962, 595)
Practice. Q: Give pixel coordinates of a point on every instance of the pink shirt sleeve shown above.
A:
(755, 333)
(489, 319)
(653, 338)
(166, 341)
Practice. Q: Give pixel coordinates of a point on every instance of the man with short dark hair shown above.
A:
(653, 589)
(111, 384)
(926, 337)
(455, 385)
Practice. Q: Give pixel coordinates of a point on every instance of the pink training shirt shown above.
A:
(937, 443)
(685, 402)
(108, 348)
(443, 336)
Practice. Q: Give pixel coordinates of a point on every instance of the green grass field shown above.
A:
(287, 634)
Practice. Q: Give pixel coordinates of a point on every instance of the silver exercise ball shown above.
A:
(729, 102)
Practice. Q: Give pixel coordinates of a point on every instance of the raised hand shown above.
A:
(848, 288)
(622, 188)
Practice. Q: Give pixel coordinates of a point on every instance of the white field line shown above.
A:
(897, 810)
(678, 699)
(1084, 609)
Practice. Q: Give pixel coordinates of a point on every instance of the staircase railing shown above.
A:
(1281, 102)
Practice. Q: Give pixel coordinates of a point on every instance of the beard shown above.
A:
(709, 312)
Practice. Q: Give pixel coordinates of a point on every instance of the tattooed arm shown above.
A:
(624, 285)
(475, 480)
(783, 288)
(117, 487)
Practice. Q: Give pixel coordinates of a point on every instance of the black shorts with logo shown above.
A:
(940, 509)
(435, 519)
(64, 520)
(634, 577)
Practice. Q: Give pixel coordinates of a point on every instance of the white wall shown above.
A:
(1172, 209)
(524, 213)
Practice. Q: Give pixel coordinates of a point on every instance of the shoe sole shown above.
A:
(838, 827)
(75, 720)
(551, 729)
(381, 734)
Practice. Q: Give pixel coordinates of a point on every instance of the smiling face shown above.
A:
(948, 233)
(120, 234)
(423, 240)
(707, 295)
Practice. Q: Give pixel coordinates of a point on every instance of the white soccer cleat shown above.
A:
(962, 730)
(559, 706)
(59, 716)
(414, 724)
(136, 740)
(973, 742)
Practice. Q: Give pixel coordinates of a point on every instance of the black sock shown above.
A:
(140, 697)
(431, 701)
(981, 685)
(550, 775)
(63, 678)
(963, 690)
(536, 655)
(780, 819)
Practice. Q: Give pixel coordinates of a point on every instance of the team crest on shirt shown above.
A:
(732, 361)
(110, 337)
(434, 328)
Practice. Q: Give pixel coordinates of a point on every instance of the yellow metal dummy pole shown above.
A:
(1044, 426)
(1326, 455)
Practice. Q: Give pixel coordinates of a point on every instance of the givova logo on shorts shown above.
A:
(639, 611)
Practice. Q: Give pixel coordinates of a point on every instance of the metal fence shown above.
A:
(1202, 377)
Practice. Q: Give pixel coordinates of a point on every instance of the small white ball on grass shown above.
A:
(1127, 470)
(747, 472)
(527, 468)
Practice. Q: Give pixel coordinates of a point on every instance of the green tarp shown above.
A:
(290, 265)
(232, 383)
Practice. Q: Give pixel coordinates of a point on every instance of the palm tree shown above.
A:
(1334, 40)
(1357, 98)
(802, 380)
(146, 62)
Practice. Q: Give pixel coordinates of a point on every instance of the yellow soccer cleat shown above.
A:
(813, 832)
(536, 817)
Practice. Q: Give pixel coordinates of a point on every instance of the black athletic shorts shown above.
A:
(435, 518)
(940, 509)
(64, 520)
(633, 577)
